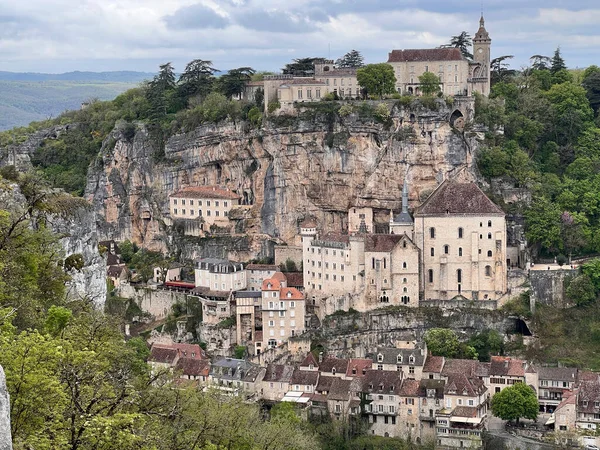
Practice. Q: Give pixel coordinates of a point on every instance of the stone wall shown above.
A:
(5, 438)
(285, 252)
(219, 340)
(157, 302)
(549, 287)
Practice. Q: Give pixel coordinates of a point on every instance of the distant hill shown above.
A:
(28, 97)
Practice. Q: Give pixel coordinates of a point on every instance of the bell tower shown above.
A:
(482, 57)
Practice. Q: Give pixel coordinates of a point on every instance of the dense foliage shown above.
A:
(377, 79)
(515, 402)
(550, 147)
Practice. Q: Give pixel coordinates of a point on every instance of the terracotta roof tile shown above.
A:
(165, 355)
(434, 364)
(305, 377)
(291, 293)
(461, 384)
(381, 242)
(271, 284)
(340, 389)
(506, 366)
(358, 367)
(278, 372)
(340, 365)
(310, 360)
(295, 279)
(452, 197)
(205, 192)
(410, 388)
(426, 54)
(325, 384)
(193, 367)
(465, 411)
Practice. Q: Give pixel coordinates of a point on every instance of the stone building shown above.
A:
(409, 361)
(553, 384)
(202, 207)
(462, 235)
(339, 80)
(382, 390)
(458, 75)
(257, 273)
(283, 311)
(220, 274)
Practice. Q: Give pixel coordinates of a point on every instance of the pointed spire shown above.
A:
(405, 197)
(482, 21)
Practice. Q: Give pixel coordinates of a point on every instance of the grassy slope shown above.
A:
(22, 102)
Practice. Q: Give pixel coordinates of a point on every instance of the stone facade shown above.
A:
(220, 275)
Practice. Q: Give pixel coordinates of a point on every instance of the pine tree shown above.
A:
(558, 63)
(351, 59)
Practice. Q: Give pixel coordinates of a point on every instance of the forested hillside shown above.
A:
(28, 97)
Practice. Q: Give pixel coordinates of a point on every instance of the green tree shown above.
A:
(499, 69)
(197, 79)
(442, 342)
(581, 290)
(542, 224)
(572, 110)
(591, 84)
(302, 67)
(515, 402)
(540, 62)
(233, 82)
(558, 63)
(352, 59)
(429, 83)
(487, 343)
(377, 79)
(462, 41)
(492, 162)
(592, 270)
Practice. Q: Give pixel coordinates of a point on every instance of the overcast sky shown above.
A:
(102, 35)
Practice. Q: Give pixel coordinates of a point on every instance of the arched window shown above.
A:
(489, 235)
(432, 251)
(404, 265)
(480, 224)
(460, 233)
(432, 233)
(459, 251)
(489, 253)
(404, 280)
(459, 275)
(446, 249)
(488, 271)
(404, 244)
(489, 223)
(404, 290)
(430, 273)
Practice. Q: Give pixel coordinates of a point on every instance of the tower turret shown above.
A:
(403, 222)
(481, 57)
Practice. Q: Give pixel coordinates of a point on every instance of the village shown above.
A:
(450, 250)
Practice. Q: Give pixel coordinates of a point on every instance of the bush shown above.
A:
(273, 106)
(382, 113)
(74, 261)
(561, 260)
(405, 100)
(346, 110)
(329, 97)
(255, 116)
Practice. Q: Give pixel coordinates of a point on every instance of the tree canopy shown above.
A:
(515, 402)
(352, 59)
(463, 41)
(377, 79)
(429, 83)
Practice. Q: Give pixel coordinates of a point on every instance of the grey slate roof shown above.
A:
(390, 356)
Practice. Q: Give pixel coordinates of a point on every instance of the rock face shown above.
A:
(293, 167)
(5, 438)
(79, 236)
(19, 155)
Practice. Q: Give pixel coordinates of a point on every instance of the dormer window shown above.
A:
(311, 367)
(392, 388)
(364, 371)
(411, 359)
(333, 371)
(399, 359)
(585, 403)
(269, 285)
(379, 357)
(354, 371)
(381, 387)
(289, 294)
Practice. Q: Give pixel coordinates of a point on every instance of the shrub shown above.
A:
(74, 261)
(255, 116)
(273, 106)
(382, 113)
(329, 97)
(405, 100)
(346, 110)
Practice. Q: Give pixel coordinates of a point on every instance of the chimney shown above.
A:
(506, 363)
(320, 357)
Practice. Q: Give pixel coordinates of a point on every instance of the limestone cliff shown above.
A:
(5, 439)
(291, 168)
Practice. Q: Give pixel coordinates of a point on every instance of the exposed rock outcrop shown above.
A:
(5, 438)
(289, 169)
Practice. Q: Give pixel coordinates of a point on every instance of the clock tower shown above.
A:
(482, 58)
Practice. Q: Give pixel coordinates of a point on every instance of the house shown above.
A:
(257, 273)
(409, 361)
(219, 274)
(195, 369)
(248, 319)
(408, 412)
(252, 380)
(166, 356)
(342, 398)
(282, 309)
(381, 390)
(357, 367)
(462, 235)
(202, 208)
(311, 363)
(304, 381)
(564, 417)
(433, 366)
(340, 81)
(167, 274)
(300, 90)
(276, 381)
(216, 305)
(505, 371)
(228, 374)
(588, 405)
(458, 75)
(335, 367)
(554, 382)
(431, 400)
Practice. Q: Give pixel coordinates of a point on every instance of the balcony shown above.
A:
(427, 418)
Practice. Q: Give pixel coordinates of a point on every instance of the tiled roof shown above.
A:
(586, 375)
(278, 372)
(506, 366)
(115, 271)
(193, 367)
(410, 388)
(271, 284)
(305, 377)
(340, 389)
(309, 360)
(465, 411)
(330, 363)
(309, 222)
(113, 260)
(433, 364)
(426, 54)
(381, 242)
(252, 374)
(437, 385)
(190, 350)
(569, 398)
(264, 267)
(390, 356)
(160, 354)
(452, 197)
(325, 384)
(295, 279)
(461, 384)
(302, 81)
(291, 293)
(203, 291)
(589, 394)
(381, 381)
(205, 192)
(335, 237)
(356, 367)
(557, 374)
(469, 367)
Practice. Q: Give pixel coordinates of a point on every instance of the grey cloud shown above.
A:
(195, 17)
(275, 21)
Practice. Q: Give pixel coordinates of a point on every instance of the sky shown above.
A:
(57, 36)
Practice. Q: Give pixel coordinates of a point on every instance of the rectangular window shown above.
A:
(191, 202)
(281, 313)
(175, 211)
(299, 93)
(199, 202)
(217, 213)
(441, 68)
(174, 201)
(309, 93)
(318, 93)
(191, 212)
(335, 82)
(426, 68)
(183, 202)
(271, 323)
(207, 202)
(183, 212)
(225, 204)
(208, 213)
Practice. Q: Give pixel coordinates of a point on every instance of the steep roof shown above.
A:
(305, 377)
(278, 372)
(189, 350)
(381, 242)
(160, 354)
(340, 389)
(264, 267)
(434, 364)
(356, 367)
(271, 284)
(291, 293)
(390, 356)
(426, 54)
(506, 366)
(309, 222)
(589, 394)
(465, 411)
(295, 279)
(410, 388)
(461, 384)
(435, 385)
(382, 381)
(340, 365)
(205, 192)
(310, 360)
(468, 367)
(325, 384)
(452, 197)
(193, 367)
